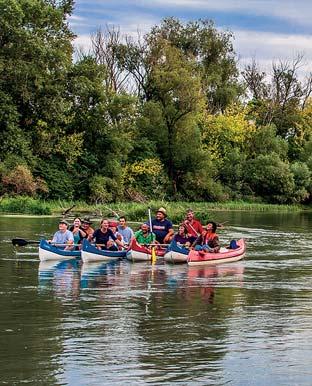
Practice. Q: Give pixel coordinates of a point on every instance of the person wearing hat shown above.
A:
(85, 225)
(162, 227)
(63, 236)
(113, 227)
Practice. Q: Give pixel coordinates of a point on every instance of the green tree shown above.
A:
(271, 178)
(212, 50)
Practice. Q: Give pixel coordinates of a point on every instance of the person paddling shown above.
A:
(104, 237)
(208, 241)
(63, 236)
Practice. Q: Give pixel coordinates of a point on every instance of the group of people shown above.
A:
(114, 235)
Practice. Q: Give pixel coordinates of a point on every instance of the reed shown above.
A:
(24, 205)
(132, 210)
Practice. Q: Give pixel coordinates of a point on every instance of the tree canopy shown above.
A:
(167, 114)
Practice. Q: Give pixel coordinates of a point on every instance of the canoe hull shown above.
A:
(90, 253)
(51, 252)
(176, 253)
(224, 256)
(138, 252)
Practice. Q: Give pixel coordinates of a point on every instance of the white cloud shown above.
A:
(266, 48)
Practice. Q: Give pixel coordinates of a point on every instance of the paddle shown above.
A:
(22, 243)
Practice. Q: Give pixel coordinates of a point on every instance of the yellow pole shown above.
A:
(154, 255)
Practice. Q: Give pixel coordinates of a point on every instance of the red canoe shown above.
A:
(139, 252)
(224, 256)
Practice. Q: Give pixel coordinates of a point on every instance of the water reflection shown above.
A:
(61, 276)
(99, 274)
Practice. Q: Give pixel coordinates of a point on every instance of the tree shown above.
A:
(213, 53)
(35, 51)
(177, 95)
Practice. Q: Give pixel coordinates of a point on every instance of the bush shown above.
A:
(271, 178)
(24, 205)
(104, 189)
(19, 181)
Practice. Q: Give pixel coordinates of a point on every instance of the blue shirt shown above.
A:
(126, 233)
(161, 228)
(62, 237)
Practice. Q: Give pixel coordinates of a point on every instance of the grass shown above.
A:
(133, 211)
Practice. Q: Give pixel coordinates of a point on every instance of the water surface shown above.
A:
(245, 323)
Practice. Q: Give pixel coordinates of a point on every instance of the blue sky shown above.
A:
(267, 30)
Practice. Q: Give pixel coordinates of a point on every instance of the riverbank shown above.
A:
(132, 210)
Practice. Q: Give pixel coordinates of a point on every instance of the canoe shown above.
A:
(51, 252)
(224, 256)
(139, 252)
(90, 253)
(176, 253)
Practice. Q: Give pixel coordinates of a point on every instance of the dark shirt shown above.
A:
(161, 228)
(102, 238)
(181, 239)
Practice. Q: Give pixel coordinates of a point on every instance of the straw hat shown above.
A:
(163, 211)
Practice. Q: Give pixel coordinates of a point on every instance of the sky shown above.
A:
(264, 30)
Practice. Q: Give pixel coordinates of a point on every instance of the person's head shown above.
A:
(211, 226)
(145, 228)
(104, 224)
(123, 221)
(77, 222)
(63, 225)
(113, 226)
(161, 214)
(182, 230)
(85, 224)
(189, 215)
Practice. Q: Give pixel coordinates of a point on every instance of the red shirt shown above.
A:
(193, 227)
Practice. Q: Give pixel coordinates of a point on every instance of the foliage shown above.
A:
(162, 115)
(104, 189)
(271, 178)
(146, 176)
(25, 205)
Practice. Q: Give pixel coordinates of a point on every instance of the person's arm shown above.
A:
(198, 241)
(83, 234)
(70, 241)
(170, 233)
(91, 237)
(215, 244)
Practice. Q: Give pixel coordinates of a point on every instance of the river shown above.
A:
(244, 323)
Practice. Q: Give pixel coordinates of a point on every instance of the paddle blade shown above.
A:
(19, 242)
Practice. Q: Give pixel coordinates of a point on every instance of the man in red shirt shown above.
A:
(193, 226)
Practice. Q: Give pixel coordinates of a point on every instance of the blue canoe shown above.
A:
(176, 253)
(51, 252)
(90, 253)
